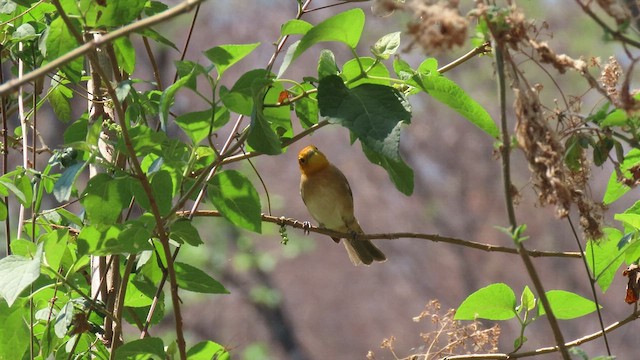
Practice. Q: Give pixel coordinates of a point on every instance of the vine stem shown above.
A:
(506, 173)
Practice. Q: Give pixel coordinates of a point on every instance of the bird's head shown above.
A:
(311, 160)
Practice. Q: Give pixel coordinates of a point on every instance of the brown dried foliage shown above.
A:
(448, 337)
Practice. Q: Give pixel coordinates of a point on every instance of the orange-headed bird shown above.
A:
(327, 195)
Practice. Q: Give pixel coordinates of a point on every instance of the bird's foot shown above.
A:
(306, 227)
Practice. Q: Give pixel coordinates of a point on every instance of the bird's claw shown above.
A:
(306, 227)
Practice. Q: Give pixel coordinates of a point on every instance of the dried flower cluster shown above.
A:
(610, 78)
(436, 25)
(449, 337)
(554, 183)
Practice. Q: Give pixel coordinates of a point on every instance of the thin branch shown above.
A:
(5, 159)
(550, 349)
(592, 283)
(179, 9)
(524, 255)
(616, 34)
(479, 50)
(393, 236)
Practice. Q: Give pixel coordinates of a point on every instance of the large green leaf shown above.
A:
(493, 302)
(345, 27)
(105, 197)
(147, 348)
(193, 279)
(225, 56)
(240, 98)
(17, 273)
(449, 93)
(14, 332)
(236, 199)
(567, 305)
(208, 350)
(374, 113)
(603, 257)
(399, 172)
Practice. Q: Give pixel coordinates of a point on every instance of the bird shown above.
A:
(327, 195)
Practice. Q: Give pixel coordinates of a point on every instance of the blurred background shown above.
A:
(305, 300)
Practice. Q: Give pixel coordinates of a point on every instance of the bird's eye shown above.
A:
(301, 160)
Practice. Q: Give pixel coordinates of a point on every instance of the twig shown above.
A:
(482, 49)
(393, 236)
(179, 9)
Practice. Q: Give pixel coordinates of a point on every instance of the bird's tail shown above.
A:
(362, 251)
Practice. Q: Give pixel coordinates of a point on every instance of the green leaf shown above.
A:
(183, 231)
(225, 56)
(59, 100)
(208, 350)
(162, 188)
(17, 273)
(269, 124)
(236, 199)
(345, 27)
(105, 197)
(617, 117)
(616, 189)
(527, 299)
(155, 36)
(193, 279)
(307, 108)
(198, 123)
(386, 46)
(55, 246)
(400, 173)
(168, 95)
(64, 319)
(125, 54)
(111, 13)
(14, 332)
(351, 70)
(130, 238)
(140, 293)
(295, 27)
(58, 41)
(603, 257)
(567, 305)
(374, 113)
(327, 64)
(140, 349)
(493, 302)
(450, 94)
(240, 98)
(278, 117)
(64, 185)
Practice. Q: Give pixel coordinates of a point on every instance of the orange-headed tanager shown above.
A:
(327, 195)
